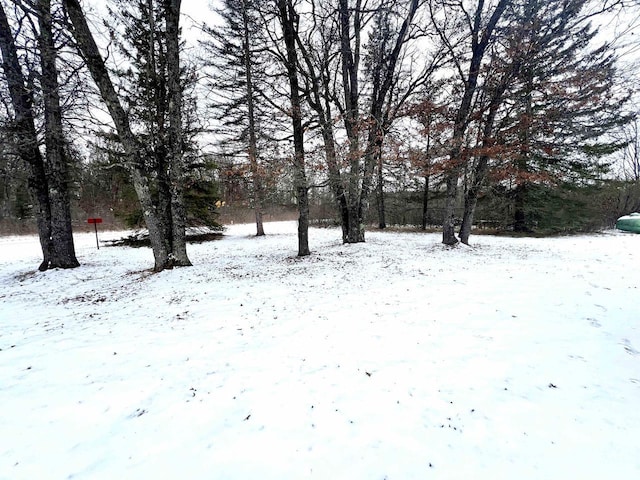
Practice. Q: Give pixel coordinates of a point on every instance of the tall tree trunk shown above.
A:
(289, 21)
(520, 221)
(482, 167)
(382, 221)
(63, 251)
(382, 86)
(39, 191)
(176, 149)
(135, 152)
(335, 181)
(451, 194)
(471, 200)
(25, 135)
(258, 190)
(320, 101)
(480, 37)
(350, 60)
(26, 139)
(425, 203)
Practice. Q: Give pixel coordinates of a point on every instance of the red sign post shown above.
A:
(95, 222)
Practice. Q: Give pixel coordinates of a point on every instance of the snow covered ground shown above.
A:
(395, 359)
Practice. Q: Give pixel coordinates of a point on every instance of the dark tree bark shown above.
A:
(352, 186)
(57, 249)
(482, 167)
(383, 82)
(26, 136)
(350, 63)
(480, 38)
(382, 222)
(425, 203)
(176, 148)
(363, 164)
(64, 255)
(289, 21)
(319, 99)
(258, 189)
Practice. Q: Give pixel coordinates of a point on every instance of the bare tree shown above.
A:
(631, 152)
(49, 179)
(478, 27)
(365, 97)
(289, 21)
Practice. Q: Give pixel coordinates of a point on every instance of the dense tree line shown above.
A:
(458, 107)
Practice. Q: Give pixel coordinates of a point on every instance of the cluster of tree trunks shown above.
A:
(49, 177)
(164, 216)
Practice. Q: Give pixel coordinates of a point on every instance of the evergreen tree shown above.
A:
(236, 56)
(547, 99)
(564, 100)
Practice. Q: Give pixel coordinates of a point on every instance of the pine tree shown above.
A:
(564, 101)
(235, 54)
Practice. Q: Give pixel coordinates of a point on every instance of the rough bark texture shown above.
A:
(63, 252)
(335, 182)
(319, 100)
(25, 134)
(482, 166)
(289, 20)
(351, 187)
(480, 37)
(26, 138)
(158, 220)
(258, 189)
(362, 165)
(350, 61)
(382, 222)
(175, 147)
(425, 203)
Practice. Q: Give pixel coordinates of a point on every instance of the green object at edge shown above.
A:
(629, 223)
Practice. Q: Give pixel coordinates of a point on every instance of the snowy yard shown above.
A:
(396, 359)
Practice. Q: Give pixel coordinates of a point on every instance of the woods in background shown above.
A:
(509, 114)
